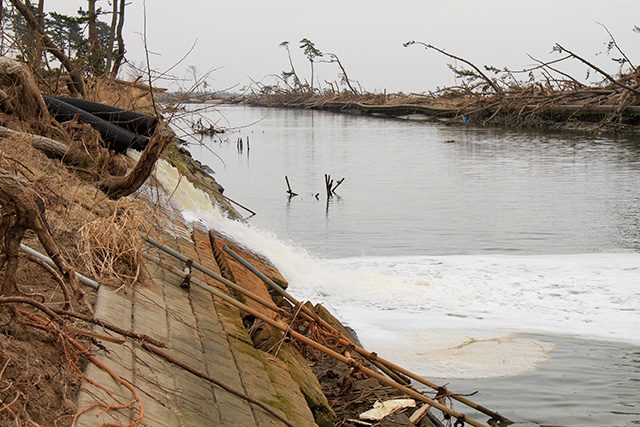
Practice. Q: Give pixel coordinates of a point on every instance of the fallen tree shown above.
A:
(545, 97)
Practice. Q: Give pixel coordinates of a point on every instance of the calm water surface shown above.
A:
(442, 231)
(419, 189)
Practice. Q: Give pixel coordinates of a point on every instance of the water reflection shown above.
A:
(587, 370)
(490, 190)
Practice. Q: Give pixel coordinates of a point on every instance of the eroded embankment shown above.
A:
(170, 346)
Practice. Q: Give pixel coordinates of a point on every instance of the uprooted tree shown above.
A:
(497, 96)
(21, 209)
(20, 206)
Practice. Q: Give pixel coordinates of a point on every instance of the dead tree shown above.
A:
(76, 76)
(286, 74)
(95, 48)
(334, 58)
(112, 35)
(37, 57)
(119, 54)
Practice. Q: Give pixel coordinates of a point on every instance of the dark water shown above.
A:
(579, 375)
(437, 213)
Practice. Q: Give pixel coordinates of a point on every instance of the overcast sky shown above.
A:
(240, 39)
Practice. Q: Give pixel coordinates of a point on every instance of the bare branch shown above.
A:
(559, 48)
(487, 79)
(613, 40)
(546, 65)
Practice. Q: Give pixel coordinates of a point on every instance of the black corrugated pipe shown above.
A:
(135, 122)
(115, 137)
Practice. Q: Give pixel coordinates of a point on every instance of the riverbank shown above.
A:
(101, 239)
(127, 340)
(611, 109)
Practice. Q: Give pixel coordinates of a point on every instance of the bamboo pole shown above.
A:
(344, 359)
(229, 283)
(367, 354)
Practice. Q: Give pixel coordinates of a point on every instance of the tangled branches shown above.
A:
(556, 96)
(22, 209)
(23, 399)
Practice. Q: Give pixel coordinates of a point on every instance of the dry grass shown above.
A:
(126, 95)
(111, 246)
(37, 386)
(99, 237)
(38, 379)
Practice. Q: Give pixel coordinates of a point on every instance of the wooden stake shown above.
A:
(291, 193)
(333, 190)
(327, 184)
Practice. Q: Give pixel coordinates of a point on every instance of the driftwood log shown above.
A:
(74, 155)
(48, 146)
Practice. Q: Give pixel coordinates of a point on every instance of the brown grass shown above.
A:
(126, 95)
(99, 237)
(110, 246)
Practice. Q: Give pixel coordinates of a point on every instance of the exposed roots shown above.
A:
(26, 396)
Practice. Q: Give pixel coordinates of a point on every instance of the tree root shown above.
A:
(22, 209)
(56, 277)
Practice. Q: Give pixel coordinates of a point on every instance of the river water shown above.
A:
(496, 260)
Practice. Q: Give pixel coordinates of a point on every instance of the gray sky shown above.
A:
(240, 39)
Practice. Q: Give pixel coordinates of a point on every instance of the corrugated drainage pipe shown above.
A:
(141, 124)
(115, 137)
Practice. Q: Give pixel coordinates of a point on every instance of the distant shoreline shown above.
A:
(477, 111)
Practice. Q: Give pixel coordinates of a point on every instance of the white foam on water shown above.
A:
(450, 316)
(454, 316)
